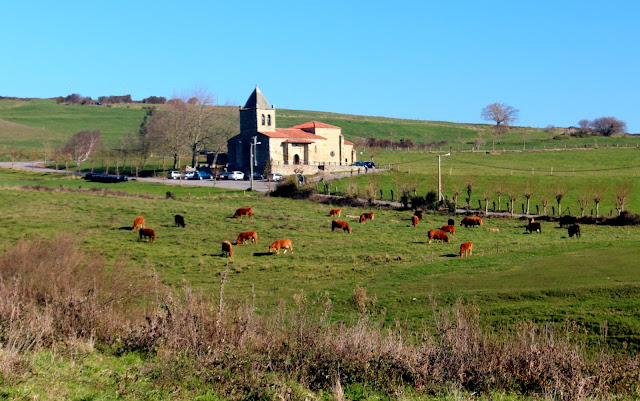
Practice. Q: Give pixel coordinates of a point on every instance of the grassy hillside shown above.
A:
(512, 275)
(28, 127)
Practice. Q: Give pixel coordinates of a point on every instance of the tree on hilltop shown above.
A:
(607, 126)
(502, 114)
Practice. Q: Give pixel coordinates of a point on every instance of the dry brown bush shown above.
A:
(52, 293)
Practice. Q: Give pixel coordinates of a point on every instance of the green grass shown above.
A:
(512, 276)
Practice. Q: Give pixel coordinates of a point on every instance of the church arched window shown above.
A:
(269, 119)
(263, 119)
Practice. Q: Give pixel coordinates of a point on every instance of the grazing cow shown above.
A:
(494, 229)
(531, 227)
(340, 225)
(247, 235)
(471, 221)
(227, 249)
(466, 247)
(450, 222)
(179, 220)
(365, 216)
(281, 244)
(438, 235)
(449, 229)
(418, 214)
(138, 222)
(414, 220)
(574, 230)
(335, 212)
(568, 220)
(147, 233)
(242, 212)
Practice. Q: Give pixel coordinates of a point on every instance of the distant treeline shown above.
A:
(404, 143)
(75, 98)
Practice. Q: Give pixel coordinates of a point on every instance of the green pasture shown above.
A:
(512, 276)
(33, 128)
(577, 172)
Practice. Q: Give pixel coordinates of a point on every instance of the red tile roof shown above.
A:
(348, 142)
(314, 124)
(293, 133)
(298, 141)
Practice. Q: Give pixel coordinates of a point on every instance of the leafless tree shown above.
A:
(456, 194)
(584, 197)
(597, 197)
(500, 190)
(544, 199)
(607, 126)
(560, 191)
(168, 128)
(528, 191)
(623, 190)
(512, 194)
(500, 113)
(486, 197)
(81, 145)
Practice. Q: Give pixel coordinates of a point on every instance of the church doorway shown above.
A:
(296, 159)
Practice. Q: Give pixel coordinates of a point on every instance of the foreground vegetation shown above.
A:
(377, 313)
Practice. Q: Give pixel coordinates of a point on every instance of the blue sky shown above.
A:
(556, 61)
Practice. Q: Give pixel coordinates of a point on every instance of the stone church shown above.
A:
(305, 148)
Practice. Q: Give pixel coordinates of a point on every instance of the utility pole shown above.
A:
(440, 198)
(253, 161)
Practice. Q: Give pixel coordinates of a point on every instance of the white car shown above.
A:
(276, 177)
(232, 175)
(190, 175)
(173, 175)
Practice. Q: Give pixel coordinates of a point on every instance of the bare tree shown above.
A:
(500, 190)
(623, 190)
(512, 194)
(584, 123)
(560, 191)
(167, 130)
(528, 192)
(501, 113)
(607, 126)
(544, 199)
(81, 145)
(486, 197)
(584, 197)
(597, 197)
(456, 194)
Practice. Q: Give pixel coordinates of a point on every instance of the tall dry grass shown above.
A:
(50, 292)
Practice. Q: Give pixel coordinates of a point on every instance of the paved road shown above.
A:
(262, 185)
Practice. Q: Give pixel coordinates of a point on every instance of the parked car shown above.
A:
(367, 164)
(173, 175)
(276, 177)
(204, 175)
(190, 175)
(256, 176)
(231, 175)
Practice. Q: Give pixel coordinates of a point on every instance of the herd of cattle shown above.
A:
(466, 248)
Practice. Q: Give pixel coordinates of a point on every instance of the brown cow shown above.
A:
(227, 249)
(138, 222)
(242, 212)
(494, 229)
(471, 221)
(340, 225)
(335, 212)
(449, 229)
(147, 233)
(281, 244)
(466, 247)
(365, 216)
(247, 235)
(438, 235)
(414, 220)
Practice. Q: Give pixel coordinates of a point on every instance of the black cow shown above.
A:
(531, 227)
(451, 222)
(574, 230)
(418, 214)
(179, 220)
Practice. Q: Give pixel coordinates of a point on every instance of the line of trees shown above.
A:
(404, 143)
(182, 126)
